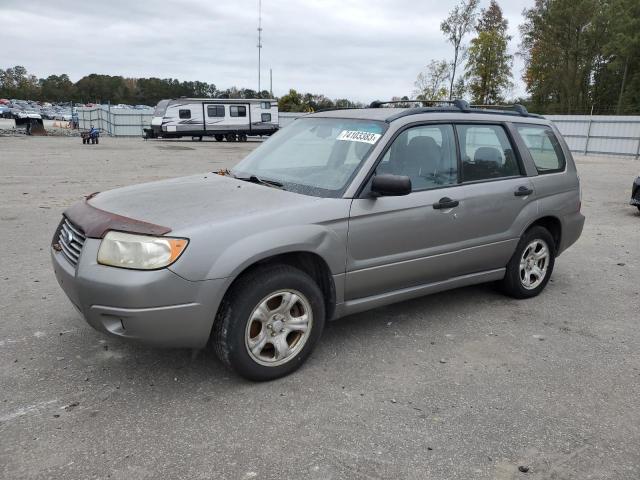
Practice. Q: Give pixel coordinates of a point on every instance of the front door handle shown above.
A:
(445, 202)
(523, 191)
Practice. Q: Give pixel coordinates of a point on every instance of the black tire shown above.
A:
(242, 137)
(231, 137)
(512, 284)
(97, 141)
(232, 322)
(84, 141)
(218, 137)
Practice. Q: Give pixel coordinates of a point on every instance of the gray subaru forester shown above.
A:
(339, 212)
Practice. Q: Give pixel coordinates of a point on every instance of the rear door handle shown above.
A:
(445, 202)
(523, 191)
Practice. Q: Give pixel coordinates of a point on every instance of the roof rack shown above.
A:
(458, 103)
(516, 107)
(462, 106)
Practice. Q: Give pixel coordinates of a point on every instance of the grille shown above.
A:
(70, 241)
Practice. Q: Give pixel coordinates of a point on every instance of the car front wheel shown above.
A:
(269, 322)
(531, 265)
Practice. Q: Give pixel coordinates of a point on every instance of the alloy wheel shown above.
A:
(278, 327)
(533, 264)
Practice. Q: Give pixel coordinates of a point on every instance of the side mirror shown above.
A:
(387, 185)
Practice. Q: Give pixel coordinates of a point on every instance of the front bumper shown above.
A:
(158, 307)
(635, 193)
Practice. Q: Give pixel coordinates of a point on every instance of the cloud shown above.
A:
(358, 49)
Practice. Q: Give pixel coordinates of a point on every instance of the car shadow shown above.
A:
(121, 360)
(205, 139)
(633, 213)
(419, 316)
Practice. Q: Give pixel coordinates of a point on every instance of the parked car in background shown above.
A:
(635, 193)
(64, 116)
(48, 114)
(15, 111)
(340, 212)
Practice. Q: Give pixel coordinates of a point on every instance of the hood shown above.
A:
(185, 202)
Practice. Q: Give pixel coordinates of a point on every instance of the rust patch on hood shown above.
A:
(96, 222)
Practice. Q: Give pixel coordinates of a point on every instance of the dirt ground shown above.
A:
(462, 384)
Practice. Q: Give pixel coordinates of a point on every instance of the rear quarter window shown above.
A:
(544, 147)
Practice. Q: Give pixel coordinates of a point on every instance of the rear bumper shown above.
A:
(572, 226)
(157, 307)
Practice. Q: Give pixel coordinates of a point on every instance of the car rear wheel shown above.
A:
(269, 322)
(531, 265)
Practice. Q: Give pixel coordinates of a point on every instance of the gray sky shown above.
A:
(357, 49)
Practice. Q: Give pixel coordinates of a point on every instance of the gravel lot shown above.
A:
(463, 384)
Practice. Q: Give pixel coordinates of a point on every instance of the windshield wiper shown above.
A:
(262, 181)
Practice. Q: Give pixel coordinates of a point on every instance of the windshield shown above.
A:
(313, 156)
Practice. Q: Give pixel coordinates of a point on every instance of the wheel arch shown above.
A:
(310, 263)
(553, 225)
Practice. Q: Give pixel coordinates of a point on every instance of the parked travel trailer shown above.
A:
(221, 118)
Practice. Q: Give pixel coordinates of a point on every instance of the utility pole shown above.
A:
(259, 40)
(271, 82)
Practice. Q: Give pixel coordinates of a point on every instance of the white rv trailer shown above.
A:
(221, 118)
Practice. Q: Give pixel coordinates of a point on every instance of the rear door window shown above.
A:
(486, 153)
(544, 147)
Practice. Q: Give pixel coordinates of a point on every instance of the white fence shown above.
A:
(597, 135)
(117, 122)
(600, 134)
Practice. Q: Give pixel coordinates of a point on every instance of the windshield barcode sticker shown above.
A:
(356, 136)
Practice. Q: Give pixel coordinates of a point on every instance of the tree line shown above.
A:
(16, 82)
(579, 56)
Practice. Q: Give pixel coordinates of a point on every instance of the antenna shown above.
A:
(259, 40)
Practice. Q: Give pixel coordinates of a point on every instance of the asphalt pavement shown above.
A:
(466, 384)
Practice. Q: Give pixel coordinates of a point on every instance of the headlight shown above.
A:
(140, 252)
